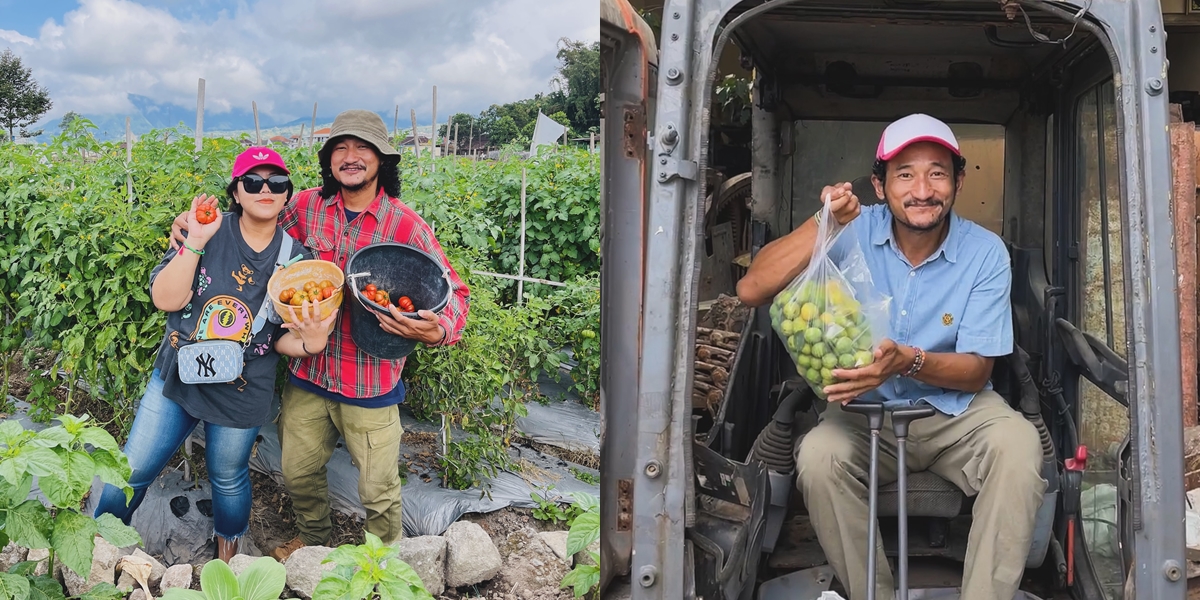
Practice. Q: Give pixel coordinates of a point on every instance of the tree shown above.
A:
(67, 120)
(579, 74)
(22, 100)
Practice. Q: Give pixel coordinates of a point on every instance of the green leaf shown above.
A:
(73, 540)
(182, 594)
(361, 585)
(13, 469)
(331, 587)
(582, 578)
(404, 573)
(68, 487)
(15, 495)
(103, 591)
(41, 461)
(28, 525)
(44, 587)
(346, 555)
(99, 438)
(264, 579)
(13, 586)
(110, 470)
(10, 429)
(586, 501)
(218, 581)
(584, 531)
(51, 437)
(117, 533)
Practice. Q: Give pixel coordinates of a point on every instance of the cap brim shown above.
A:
(924, 138)
(381, 146)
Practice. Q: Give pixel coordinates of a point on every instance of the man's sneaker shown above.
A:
(284, 551)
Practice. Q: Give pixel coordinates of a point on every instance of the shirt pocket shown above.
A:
(321, 248)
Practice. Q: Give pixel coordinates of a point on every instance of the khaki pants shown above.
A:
(309, 426)
(990, 451)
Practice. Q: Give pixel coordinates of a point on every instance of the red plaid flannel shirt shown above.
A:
(321, 225)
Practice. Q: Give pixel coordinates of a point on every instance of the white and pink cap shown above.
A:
(915, 128)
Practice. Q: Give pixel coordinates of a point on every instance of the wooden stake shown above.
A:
(416, 138)
(471, 139)
(200, 115)
(433, 133)
(314, 125)
(129, 158)
(456, 138)
(300, 138)
(257, 133)
(592, 141)
(521, 264)
(396, 123)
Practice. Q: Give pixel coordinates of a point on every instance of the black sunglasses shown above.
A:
(278, 184)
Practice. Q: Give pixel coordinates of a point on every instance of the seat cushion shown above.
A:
(928, 496)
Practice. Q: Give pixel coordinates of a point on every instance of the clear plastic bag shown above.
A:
(831, 316)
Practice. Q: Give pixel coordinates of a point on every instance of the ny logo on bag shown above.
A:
(204, 365)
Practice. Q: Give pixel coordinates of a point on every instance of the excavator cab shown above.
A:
(1061, 109)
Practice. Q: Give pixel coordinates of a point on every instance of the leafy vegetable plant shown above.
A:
(262, 580)
(371, 571)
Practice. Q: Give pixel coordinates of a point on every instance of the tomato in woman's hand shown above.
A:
(205, 214)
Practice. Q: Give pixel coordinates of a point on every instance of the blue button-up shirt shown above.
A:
(957, 300)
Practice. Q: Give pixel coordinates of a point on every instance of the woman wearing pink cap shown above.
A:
(217, 361)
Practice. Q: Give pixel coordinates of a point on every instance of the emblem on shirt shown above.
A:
(243, 277)
(223, 318)
(947, 319)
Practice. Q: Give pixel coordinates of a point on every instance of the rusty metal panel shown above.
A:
(1183, 194)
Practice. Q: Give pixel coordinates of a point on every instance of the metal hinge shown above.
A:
(669, 168)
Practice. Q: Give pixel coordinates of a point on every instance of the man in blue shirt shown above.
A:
(950, 316)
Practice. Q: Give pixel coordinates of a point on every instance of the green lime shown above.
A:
(819, 349)
(829, 361)
(812, 335)
(863, 343)
(846, 361)
(786, 328)
(844, 345)
(806, 349)
(803, 362)
(863, 358)
(794, 342)
(853, 332)
(827, 375)
(812, 375)
(791, 310)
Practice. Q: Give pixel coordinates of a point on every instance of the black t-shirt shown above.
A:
(227, 293)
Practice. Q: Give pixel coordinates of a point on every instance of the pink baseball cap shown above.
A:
(911, 129)
(256, 156)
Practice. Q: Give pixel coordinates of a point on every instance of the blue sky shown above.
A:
(113, 57)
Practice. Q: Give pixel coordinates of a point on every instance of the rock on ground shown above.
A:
(471, 557)
(557, 541)
(12, 555)
(531, 568)
(104, 560)
(42, 557)
(157, 570)
(241, 562)
(138, 594)
(427, 556)
(178, 576)
(304, 569)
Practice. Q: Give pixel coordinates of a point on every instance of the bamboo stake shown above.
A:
(200, 115)
(257, 133)
(313, 129)
(521, 264)
(416, 138)
(129, 158)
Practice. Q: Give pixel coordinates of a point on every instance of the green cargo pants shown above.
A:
(309, 426)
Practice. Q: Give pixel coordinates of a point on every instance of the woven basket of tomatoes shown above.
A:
(318, 280)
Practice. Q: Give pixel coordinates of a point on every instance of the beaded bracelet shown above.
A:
(918, 362)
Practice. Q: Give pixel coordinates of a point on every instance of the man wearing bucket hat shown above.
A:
(343, 390)
(950, 317)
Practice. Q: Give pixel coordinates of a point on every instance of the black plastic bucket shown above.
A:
(401, 270)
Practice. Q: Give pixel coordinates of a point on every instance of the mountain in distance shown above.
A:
(149, 115)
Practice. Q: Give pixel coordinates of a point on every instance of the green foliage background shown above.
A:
(76, 256)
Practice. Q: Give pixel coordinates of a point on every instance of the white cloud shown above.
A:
(287, 54)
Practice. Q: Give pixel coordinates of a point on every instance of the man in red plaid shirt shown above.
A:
(342, 390)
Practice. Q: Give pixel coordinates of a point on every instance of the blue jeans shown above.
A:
(159, 429)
